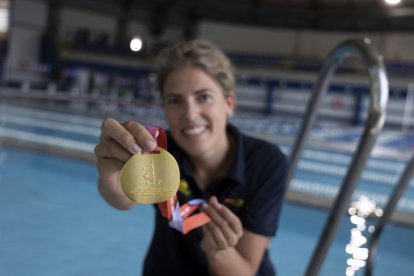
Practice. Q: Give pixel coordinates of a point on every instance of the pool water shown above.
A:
(53, 222)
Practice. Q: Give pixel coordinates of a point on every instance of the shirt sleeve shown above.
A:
(264, 200)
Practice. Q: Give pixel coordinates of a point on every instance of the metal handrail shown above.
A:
(378, 83)
(388, 210)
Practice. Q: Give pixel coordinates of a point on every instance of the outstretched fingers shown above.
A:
(121, 140)
(141, 135)
(112, 150)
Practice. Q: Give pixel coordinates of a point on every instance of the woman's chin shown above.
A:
(193, 147)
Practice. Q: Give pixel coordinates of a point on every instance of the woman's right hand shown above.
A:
(118, 142)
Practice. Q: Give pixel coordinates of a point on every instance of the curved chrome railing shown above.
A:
(388, 210)
(378, 83)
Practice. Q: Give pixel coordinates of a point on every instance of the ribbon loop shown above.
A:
(179, 218)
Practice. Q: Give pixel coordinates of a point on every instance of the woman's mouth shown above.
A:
(194, 131)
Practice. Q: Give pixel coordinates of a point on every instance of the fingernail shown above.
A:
(136, 148)
(150, 144)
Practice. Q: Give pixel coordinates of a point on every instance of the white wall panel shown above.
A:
(399, 46)
(30, 11)
(244, 38)
(28, 21)
(72, 19)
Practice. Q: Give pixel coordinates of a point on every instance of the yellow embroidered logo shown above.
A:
(235, 202)
(184, 188)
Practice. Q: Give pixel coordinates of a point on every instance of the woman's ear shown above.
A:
(231, 103)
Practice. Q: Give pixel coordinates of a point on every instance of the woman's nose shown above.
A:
(191, 110)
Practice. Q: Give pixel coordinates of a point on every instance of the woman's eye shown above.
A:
(205, 98)
(172, 102)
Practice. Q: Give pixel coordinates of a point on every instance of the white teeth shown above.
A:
(194, 130)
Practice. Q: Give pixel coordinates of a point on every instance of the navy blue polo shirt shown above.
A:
(253, 189)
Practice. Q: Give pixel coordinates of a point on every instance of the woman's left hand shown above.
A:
(223, 231)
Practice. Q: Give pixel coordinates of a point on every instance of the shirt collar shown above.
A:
(238, 168)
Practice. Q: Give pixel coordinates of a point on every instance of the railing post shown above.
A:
(374, 123)
(388, 210)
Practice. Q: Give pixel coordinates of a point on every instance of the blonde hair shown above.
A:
(200, 54)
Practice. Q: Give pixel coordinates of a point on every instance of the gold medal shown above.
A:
(150, 178)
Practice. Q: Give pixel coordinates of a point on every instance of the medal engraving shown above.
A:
(150, 178)
(149, 174)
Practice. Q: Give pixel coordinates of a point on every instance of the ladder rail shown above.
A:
(386, 217)
(378, 83)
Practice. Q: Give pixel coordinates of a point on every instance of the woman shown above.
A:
(242, 178)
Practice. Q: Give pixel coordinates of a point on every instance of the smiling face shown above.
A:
(197, 111)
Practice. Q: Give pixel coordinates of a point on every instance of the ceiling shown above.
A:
(328, 15)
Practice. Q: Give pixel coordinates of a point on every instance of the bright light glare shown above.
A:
(352, 211)
(357, 263)
(136, 44)
(392, 2)
(361, 227)
(360, 254)
(357, 220)
(365, 206)
(349, 248)
(379, 212)
(349, 272)
(358, 240)
(359, 210)
(4, 19)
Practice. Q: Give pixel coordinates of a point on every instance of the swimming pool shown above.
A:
(322, 165)
(53, 222)
(52, 203)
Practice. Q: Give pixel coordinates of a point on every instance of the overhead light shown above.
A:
(135, 44)
(392, 2)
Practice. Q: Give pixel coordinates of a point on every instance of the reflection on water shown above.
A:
(359, 211)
